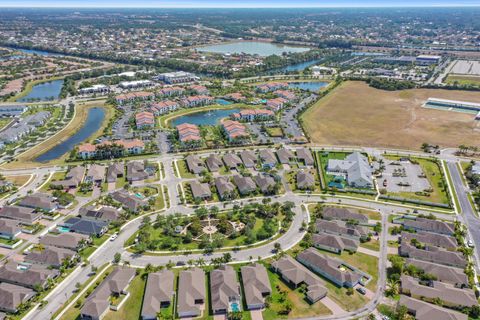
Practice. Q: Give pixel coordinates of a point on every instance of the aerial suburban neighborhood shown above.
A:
(189, 161)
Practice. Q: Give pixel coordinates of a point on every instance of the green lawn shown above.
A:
(274, 131)
(184, 172)
(372, 245)
(300, 306)
(55, 177)
(122, 181)
(133, 306)
(362, 261)
(463, 80)
(4, 122)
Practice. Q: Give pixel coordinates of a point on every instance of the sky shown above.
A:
(235, 3)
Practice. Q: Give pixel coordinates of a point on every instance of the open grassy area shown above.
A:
(300, 306)
(26, 159)
(4, 122)
(184, 172)
(355, 114)
(18, 180)
(463, 80)
(274, 131)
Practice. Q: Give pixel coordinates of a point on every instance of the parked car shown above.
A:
(362, 291)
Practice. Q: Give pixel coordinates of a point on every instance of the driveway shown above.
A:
(369, 252)
(256, 314)
(333, 306)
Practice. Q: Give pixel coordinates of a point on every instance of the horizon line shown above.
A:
(16, 6)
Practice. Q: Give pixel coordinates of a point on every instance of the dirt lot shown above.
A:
(355, 114)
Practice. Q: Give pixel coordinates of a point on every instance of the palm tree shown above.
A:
(393, 287)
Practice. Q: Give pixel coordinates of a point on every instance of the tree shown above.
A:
(393, 287)
(117, 257)
(277, 246)
(227, 257)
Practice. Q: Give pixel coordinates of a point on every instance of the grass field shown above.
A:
(4, 122)
(463, 80)
(18, 180)
(184, 172)
(355, 114)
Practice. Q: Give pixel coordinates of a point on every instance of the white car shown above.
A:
(113, 237)
(470, 243)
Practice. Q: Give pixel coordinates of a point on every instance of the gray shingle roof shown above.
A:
(27, 276)
(39, 200)
(434, 254)
(11, 296)
(191, 287)
(329, 265)
(255, 283)
(224, 287)
(296, 273)
(434, 239)
(446, 292)
(426, 311)
(158, 291)
(97, 302)
(430, 225)
(337, 213)
(455, 276)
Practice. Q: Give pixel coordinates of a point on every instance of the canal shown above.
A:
(95, 117)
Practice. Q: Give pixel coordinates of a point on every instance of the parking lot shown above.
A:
(403, 176)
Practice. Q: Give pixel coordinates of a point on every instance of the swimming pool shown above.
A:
(139, 195)
(63, 229)
(235, 306)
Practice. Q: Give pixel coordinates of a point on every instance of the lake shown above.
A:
(313, 86)
(252, 47)
(205, 118)
(43, 91)
(92, 124)
(299, 66)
